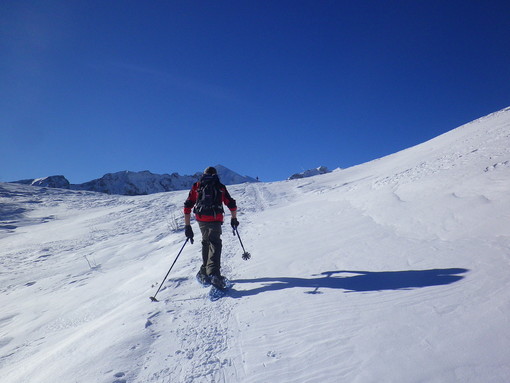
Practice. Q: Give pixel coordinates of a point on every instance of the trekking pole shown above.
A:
(153, 298)
(245, 255)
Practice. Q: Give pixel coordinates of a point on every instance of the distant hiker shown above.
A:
(207, 196)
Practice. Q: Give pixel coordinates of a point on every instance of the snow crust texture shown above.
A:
(397, 270)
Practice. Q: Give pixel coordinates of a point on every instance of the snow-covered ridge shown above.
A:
(138, 183)
(310, 173)
(52, 181)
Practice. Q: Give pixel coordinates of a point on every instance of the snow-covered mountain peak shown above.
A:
(229, 177)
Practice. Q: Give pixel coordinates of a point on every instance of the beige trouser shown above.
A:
(211, 247)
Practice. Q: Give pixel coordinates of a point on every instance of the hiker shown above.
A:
(207, 196)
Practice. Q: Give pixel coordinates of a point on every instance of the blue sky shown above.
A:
(266, 88)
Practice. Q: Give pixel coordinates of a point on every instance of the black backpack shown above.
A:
(210, 201)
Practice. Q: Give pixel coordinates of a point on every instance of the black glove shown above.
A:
(234, 223)
(188, 231)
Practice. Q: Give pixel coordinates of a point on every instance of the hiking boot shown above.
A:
(219, 282)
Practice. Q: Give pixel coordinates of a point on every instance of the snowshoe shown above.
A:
(203, 279)
(219, 282)
(219, 288)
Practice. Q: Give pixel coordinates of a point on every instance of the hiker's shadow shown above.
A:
(354, 281)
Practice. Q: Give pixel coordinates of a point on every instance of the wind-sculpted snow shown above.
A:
(395, 270)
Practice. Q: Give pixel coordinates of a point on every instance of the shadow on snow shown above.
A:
(355, 281)
(14, 206)
(10, 213)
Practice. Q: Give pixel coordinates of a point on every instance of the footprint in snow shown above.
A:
(119, 375)
(149, 322)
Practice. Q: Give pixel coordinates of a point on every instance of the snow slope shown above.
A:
(395, 270)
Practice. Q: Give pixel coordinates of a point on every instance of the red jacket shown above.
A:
(192, 199)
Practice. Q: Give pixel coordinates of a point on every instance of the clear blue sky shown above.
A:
(266, 88)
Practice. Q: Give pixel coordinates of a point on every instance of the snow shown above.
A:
(396, 270)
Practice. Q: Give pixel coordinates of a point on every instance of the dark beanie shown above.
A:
(210, 170)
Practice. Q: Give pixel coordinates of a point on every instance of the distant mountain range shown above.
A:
(137, 183)
(145, 182)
